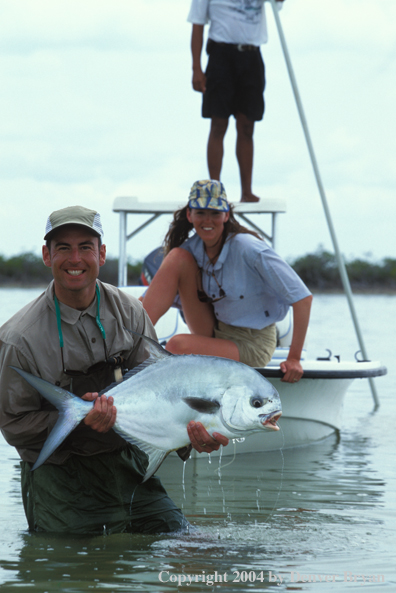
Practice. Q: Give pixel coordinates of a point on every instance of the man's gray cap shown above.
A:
(74, 215)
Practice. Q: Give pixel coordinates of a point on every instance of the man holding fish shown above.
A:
(75, 336)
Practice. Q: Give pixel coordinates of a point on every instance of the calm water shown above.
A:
(326, 511)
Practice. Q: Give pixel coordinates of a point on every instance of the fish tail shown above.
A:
(72, 410)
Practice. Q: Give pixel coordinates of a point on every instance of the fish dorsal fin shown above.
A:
(157, 353)
(156, 350)
(155, 456)
(202, 405)
(148, 362)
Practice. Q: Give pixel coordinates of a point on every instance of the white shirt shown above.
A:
(232, 21)
(259, 285)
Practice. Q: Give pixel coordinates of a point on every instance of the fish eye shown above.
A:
(256, 401)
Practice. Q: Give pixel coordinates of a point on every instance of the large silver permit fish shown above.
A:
(157, 400)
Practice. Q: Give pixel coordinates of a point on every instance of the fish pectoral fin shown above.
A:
(155, 456)
(202, 405)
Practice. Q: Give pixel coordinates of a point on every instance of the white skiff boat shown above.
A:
(311, 408)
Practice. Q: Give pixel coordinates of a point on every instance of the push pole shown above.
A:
(340, 260)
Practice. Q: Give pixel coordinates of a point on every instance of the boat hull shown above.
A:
(311, 408)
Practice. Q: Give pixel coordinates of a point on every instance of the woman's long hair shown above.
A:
(180, 228)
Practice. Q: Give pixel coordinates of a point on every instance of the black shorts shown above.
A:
(235, 82)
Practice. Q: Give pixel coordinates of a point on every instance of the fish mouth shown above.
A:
(270, 420)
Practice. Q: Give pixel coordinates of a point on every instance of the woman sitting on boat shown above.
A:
(232, 286)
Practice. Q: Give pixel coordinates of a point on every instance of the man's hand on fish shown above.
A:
(102, 417)
(202, 441)
(292, 370)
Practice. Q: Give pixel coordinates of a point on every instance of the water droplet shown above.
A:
(183, 483)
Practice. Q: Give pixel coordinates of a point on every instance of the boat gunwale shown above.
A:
(328, 374)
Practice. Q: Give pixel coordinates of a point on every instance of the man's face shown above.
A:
(74, 258)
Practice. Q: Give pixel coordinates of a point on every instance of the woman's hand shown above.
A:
(292, 370)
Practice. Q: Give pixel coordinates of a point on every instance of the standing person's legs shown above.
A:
(235, 82)
(217, 103)
(249, 109)
(244, 153)
(215, 149)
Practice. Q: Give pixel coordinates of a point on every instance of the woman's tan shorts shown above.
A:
(256, 346)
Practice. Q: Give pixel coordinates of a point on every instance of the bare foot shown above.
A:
(249, 198)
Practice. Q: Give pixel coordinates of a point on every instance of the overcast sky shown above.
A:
(96, 102)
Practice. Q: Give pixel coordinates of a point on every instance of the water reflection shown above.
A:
(267, 512)
(263, 486)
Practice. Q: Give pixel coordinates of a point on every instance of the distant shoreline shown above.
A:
(373, 290)
(319, 271)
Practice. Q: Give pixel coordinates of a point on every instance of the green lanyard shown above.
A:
(98, 322)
